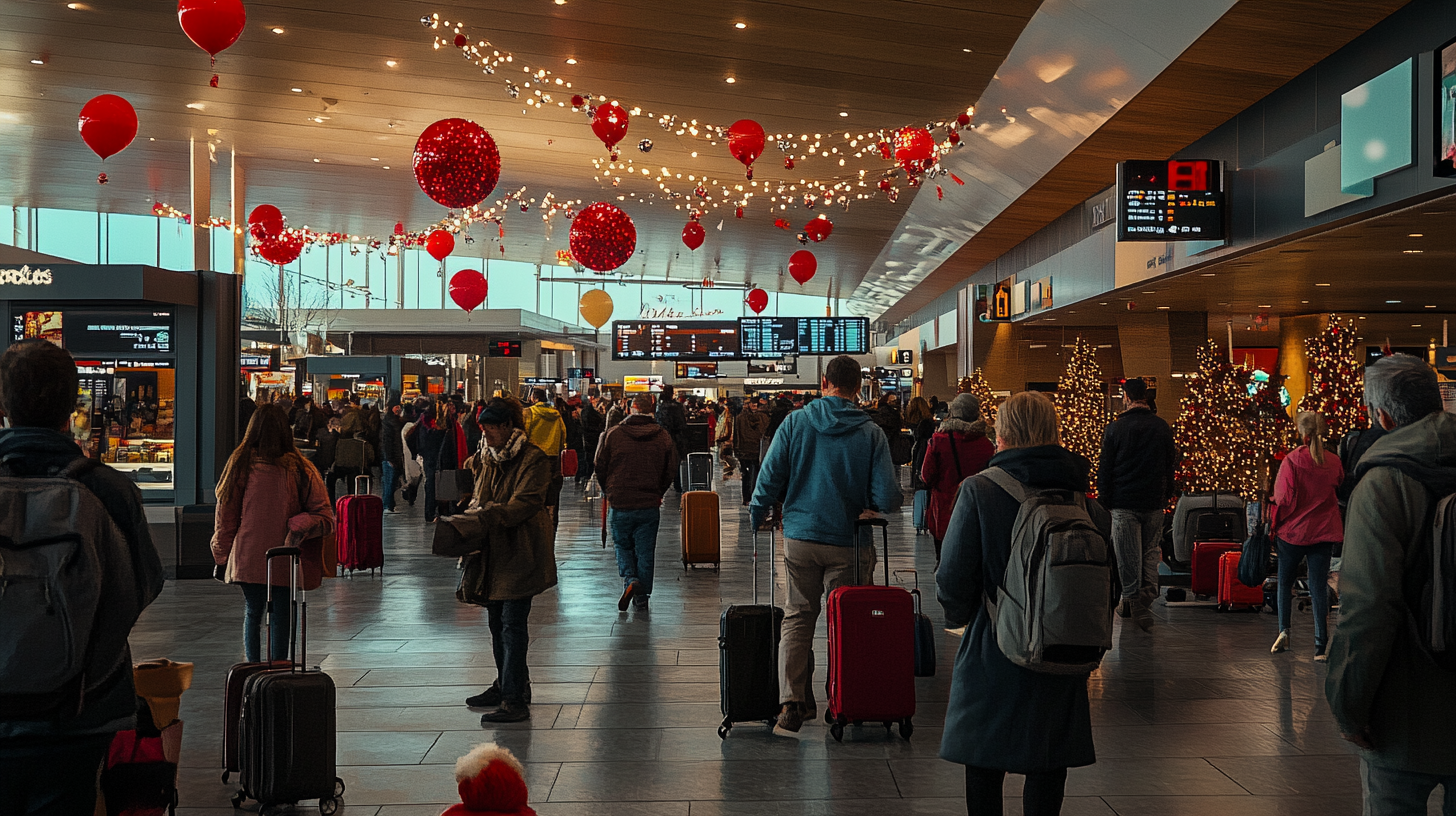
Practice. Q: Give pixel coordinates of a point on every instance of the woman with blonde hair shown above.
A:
(1003, 718)
(1306, 525)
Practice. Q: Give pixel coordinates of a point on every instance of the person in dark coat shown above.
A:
(429, 437)
(593, 425)
(921, 421)
(246, 407)
(674, 419)
(1003, 718)
(391, 453)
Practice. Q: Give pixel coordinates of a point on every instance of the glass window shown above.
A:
(131, 239)
(174, 240)
(68, 234)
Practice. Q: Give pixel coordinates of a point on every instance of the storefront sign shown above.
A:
(25, 276)
(763, 380)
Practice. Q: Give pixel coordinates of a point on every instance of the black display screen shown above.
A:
(675, 340)
(504, 348)
(1170, 200)
(140, 331)
(697, 371)
(788, 365)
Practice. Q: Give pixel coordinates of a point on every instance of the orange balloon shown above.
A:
(596, 307)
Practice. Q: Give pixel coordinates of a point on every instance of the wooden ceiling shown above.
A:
(1251, 51)
(320, 153)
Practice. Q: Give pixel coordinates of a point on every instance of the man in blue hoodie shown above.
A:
(827, 464)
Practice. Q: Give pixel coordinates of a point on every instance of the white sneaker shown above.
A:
(961, 632)
(1281, 643)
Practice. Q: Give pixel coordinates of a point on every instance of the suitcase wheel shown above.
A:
(329, 806)
(225, 774)
(1177, 594)
(906, 728)
(836, 730)
(338, 787)
(723, 731)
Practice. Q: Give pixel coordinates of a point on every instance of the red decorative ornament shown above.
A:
(399, 228)
(884, 150)
(108, 124)
(468, 289)
(577, 101)
(913, 147)
(782, 224)
(440, 244)
(757, 300)
(745, 143)
(788, 162)
(802, 266)
(456, 163)
(954, 137)
(610, 125)
(963, 119)
(818, 229)
(460, 41)
(265, 222)
(693, 234)
(602, 237)
(212, 24)
(284, 249)
(739, 213)
(885, 185)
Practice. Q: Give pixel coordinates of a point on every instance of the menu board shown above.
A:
(768, 338)
(675, 340)
(1170, 201)
(145, 331)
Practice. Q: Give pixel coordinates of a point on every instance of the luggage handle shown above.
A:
(772, 547)
(915, 590)
(366, 485)
(884, 525)
(296, 652)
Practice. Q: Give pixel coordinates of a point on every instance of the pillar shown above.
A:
(1293, 361)
(239, 217)
(201, 175)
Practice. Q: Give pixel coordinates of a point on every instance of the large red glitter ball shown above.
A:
(456, 163)
(602, 237)
(913, 146)
(283, 249)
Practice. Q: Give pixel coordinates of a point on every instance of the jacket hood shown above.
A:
(1424, 450)
(35, 443)
(835, 415)
(542, 408)
(953, 425)
(1050, 467)
(641, 426)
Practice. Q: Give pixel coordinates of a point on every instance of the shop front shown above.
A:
(337, 376)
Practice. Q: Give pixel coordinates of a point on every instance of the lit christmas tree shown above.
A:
(1228, 427)
(976, 385)
(1336, 380)
(1081, 400)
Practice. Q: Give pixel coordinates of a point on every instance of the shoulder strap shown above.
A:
(1006, 482)
(955, 453)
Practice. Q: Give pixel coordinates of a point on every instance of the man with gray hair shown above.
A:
(1387, 694)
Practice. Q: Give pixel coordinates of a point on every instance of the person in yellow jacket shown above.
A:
(547, 430)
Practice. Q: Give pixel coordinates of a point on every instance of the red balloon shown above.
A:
(745, 142)
(108, 124)
(818, 229)
(913, 147)
(440, 244)
(265, 222)
(468, 288)
(610, 124)
(212, 24)
(456, 163)
(602, 237)
(802, 265)
(284, 249)
(757, 300)
(693, 235)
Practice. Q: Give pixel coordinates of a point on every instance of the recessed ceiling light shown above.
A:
(1209, 274)
(1321, 284)
(571, 60)
(730, 80)
(560, 2)
(1362, 317)
(195, 105)
(1432, 306)
(373, 158)
(1415, 325)
(1412, 251)
(967, 50)
(1417, 235)
(844, 113)
(1150, 293)
(1304, 301)
(277, 31)
(391, 63)
(1102, 303)
(75, 6)
(296, 90)
(1164, 308)
(1392, 301)
(37, 62)
(740, 25)
(1264, 306)
(315, 161)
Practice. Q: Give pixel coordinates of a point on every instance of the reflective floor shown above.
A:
(1195, 718)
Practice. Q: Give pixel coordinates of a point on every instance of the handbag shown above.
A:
(1254, 557)
(457, 536)
(473, 576)
(454, 485)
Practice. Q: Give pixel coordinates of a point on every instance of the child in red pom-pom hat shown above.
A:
(492, 781)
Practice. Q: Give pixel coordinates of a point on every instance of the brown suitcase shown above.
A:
(700, 528)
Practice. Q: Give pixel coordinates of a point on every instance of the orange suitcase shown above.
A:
(700, 528)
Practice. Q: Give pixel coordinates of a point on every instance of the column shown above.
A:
(201, 205)
(239, 217)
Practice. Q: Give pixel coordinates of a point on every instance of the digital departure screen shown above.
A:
(1170, 201)
(675, 340)
(504, 348)
(770, 338)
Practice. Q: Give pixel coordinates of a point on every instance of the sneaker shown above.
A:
(507, 713)
(639, 602)
(490, 698)
(790, 719)
(1124, 608)
(958, 631)
(1281, 643)
(1319, 654)
(626, 596)
(1144, 620)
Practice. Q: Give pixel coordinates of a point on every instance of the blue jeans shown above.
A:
(508, 639)
(1389, 792)
(1317, 557)
(255, 600)
(635, 534)
(388, 481)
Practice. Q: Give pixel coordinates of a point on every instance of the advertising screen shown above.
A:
(1170, 201)
(142, 331)
(642, 385)
(1446, 110)
(697, 371)
(675, 340)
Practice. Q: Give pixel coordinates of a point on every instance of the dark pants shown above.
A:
(51, 779)
(586, 465)
(1042, 795)
(1317, 557)
(255, 603)
(430, 473)
(508, 640)
(750, 476)
(348, 475)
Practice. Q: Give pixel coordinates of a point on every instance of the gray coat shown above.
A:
(520, 551)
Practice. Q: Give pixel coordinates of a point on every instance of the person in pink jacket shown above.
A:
(957, 451)
(269, 496)
(1306, 526)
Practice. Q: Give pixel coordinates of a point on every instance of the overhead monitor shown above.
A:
(697, 371)
(787, 365)
(504, 348)
(580, 373)
(1178, 200)
(651, 383)
(768, 338)
(676, 340)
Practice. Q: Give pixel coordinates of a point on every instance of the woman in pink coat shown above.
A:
(1307, 526)
(269, 496)
(957, 451)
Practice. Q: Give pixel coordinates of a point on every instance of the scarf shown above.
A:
(953, 425)
(510, 450)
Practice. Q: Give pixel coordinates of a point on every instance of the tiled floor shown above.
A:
(1195, 718)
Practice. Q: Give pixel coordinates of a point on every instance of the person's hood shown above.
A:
(953, 425)
(36, 445)
(1050, 467)
(1425, 450)
(641, 426)
(543, 409)
(835, 416)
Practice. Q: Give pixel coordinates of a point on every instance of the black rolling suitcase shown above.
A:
(748, 654)
(287, 729)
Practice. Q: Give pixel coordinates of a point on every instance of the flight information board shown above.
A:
(675, 340)
(1170, 201)
(768, 338)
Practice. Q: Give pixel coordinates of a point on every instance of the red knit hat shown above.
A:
(492, 783)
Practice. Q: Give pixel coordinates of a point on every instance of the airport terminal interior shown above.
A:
(1217, 219)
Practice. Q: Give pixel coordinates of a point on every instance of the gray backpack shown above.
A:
(1053, 610)
(52, 531)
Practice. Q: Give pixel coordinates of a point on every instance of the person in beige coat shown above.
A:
(518, 559)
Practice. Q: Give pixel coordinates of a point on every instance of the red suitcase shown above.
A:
(871, 652)
(1233, 593)
(568, 462)
(1205, 565)
(360, 534)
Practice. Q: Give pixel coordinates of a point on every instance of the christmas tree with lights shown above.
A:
(1336, 380)
(1081, 400)
(1228, 428)
(975, 384)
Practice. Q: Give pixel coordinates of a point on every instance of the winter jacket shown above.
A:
(1351, 449)
(1138, 461)
(889, 420)
(453, 450)
(546, 429)
(1000, 715)
(391, 441)
(827, 464)
(1305, 508)
(723, 430)
(674, 419)
(1379, 678)
(635, 463)
(328, 444)
(749, 428)
(615, 416)
(922, 432)
(520, 538)
(429, 440)
(351, 422)
(130, 580)
(593, 424)
(958, 451)
(251, 524)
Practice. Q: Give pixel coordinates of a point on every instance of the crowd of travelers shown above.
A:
(1371, 509)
